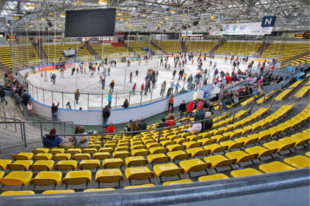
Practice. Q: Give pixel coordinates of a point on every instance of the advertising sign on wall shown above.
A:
(246, 29)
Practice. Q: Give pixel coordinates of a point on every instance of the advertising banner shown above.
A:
(246, 29)
(46, 68)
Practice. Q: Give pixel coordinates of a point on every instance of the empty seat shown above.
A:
(20, 165)
(157, 150)
(157, 158)
(178, 155)
(219, 161)
(16, 178)
(197, 152)
(191, 144)
(175, 147)
(17, 193)
(98, 190)
(43, 156)
(275, 166)
(212, 177)
(42, 165)
(135, 161)
(74, 151)
(260, 151)
(112, 163)
(66, 165)
(61, 156)
(278, 145)
(245, 172)
(57, 151)
(215, 148)
(231, 144)
(140, 152)
(23, 156)
(90, 164)
(176, 182)
(47, 178)
(139, 186)
(240, 156)
(4, 163)
(138, 173)
(49, 192)
(169, 169)
(194, 165)
(298, 161)
(121, 154)
(40, 150)
(81, 156)
(77, 178)
(109, 176)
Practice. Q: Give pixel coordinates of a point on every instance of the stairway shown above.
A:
(128, 48)
(160, 49)
(41, 53)
(92, 51)
(183, 47)
(261, 49)
(217, 46)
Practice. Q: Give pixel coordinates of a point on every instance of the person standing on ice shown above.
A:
(92, 73)
(109, 70)
(104, 72)
(77, 96)
(142, 88)
(54, 78)
(177, 86)
(72, 71)
(163, 88)
(134, 89)
(62, 73)
(98, 69)
(173, 73)
(109, 99)
(161, 62)
(130, 77)
(51, 74)
(103, 83)
(112, 86)
(128, 63)
(45, 76)
(171, 87)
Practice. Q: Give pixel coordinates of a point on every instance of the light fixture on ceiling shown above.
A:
(212, 17)
(126, 22)
(119, 13)
(51, 14)
(162, 22)
(62, 15)
(166, 17)
(32, 6)
(121, 19)
(15, 17)
(43, 19)
(78, 2)
(172, 11)
(103, 2)
(184, 15)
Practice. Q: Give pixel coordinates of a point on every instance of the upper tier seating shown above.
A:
(169, 46)
(109, 51)
(239, 48)
(200, 46)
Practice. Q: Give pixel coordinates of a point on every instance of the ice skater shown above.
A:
(45, 76)
(54, 79)
(112, 84)
(130, 77)
(103, 83)
(72, 71)
(77, 96)
(92, 73)
(62, 73)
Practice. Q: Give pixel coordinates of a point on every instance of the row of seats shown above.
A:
(23, 56)
(200, 46)
(239, 48)
(169, 46)
(137, 47)
(109, 51)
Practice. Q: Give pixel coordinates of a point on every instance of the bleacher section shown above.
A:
(200, 46)
(239, 48)
(285, 50)
(169, 46)
(22, 56)
(5, 56)
(54, 51)
(137, 47)
(109, 51)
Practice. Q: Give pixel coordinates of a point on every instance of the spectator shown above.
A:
(129, 126)
(111, 128)
(52, 140)
(2, 95)
(182, 109)
(105, 114)
(29, 108)
(208, 123)
(54, 109)
(200, 114)
(125, 104)
(170, 120)
(142, 124)
(77, 96)
(170, 105)
(163, 123)
(189, 109)
(82, 141)
(196, 127)
(112, 86)
(68, 105)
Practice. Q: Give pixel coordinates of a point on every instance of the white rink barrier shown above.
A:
(118, 116)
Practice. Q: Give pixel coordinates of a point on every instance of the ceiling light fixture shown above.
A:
(212, 17)
(119, 13)
(172, 11)
(166, 17)
(62, 15)
(31, 6)
(78, 3)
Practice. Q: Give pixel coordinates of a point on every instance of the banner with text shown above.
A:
(246, 29)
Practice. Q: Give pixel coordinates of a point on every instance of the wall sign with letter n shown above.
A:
(268, 21)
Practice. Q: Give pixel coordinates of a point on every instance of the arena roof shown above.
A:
(157, 15)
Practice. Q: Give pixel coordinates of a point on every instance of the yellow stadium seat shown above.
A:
(77, 177)
(307, 154)
(106, 149)
(245, 172)
(81, 156)
(57, 151)
(23, 156)
(121, 154)
(43, 156)
(176, 182)
(218, 176)
(240, 156)
(138, 173)
(298, 161)
(260, 151)
(219, 161)
(98, 190)
(206, 141)
(178, 155)
(175, 147)
(112, 163)
(278, 145)
(42, 165)
(20, 165)
(139, 186)
(169, 169)
(215, 148)
(140, 152)
(74, 151)
(61, 156)
(90, 164)
(47, 178)
(66, 165)
(109, 176)
(16, 178)
(231, 144)
(135, 161)
(191, 144)
(157, 150)
(2, 173)
(275, 166)
(4, 163)
(197, 152)
(194, 165)
(157, 158)
(40, 150)
(49, 192)
(17, 193)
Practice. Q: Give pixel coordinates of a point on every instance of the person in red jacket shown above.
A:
(111, 128)
(228, 79)
(170, 105)
(142, 88)
(189, 109)
(170, 120)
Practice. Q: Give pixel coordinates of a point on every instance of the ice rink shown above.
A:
(93, 97)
